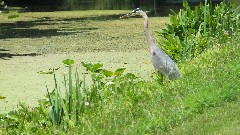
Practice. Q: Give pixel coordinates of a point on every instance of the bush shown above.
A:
(190, 29)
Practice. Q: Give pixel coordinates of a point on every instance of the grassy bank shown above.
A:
(132, 106)
(219, 120)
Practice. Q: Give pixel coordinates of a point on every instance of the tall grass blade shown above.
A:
(22, 123)
(70, 100)
(56, 106)
(49, 97)
(205, 20)
(77, 98)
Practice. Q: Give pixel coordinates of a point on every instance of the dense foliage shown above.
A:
(191, 31)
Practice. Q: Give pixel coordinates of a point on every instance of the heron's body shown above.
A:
(161, 61)
(164, 64)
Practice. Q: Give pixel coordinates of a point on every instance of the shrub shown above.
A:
(190, 30)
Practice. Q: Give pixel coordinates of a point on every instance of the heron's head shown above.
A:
(137, 11)
(140, 12)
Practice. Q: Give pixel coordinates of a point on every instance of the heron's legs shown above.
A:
(160, 77)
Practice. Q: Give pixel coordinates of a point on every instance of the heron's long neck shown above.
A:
(147, 33)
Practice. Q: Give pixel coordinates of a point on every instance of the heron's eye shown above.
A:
(154, 53)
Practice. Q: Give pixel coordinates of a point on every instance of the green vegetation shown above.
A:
(122, 103)
(223, 120)
(236, 2)
(126, 104)
(193, 31)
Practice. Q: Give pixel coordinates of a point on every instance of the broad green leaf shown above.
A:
(97, 77)
(92, 67)
(87, 65)
(119, 71)
(107, 73)
(95, 67)
(68, 62)
(84, 64)
(130, 76)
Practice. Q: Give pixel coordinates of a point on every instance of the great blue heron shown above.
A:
(161, 61)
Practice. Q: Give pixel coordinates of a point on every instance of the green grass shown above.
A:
(221, 85)
(209, 86)
(222, 120)
(151, 108)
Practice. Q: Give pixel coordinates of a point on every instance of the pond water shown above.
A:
(157, 7)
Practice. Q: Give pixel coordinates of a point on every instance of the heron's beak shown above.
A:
(126, 15)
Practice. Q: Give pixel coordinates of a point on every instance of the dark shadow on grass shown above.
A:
(96, 18)
(7, 56)
(3, 50)
(27, 29)
(34, 33)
